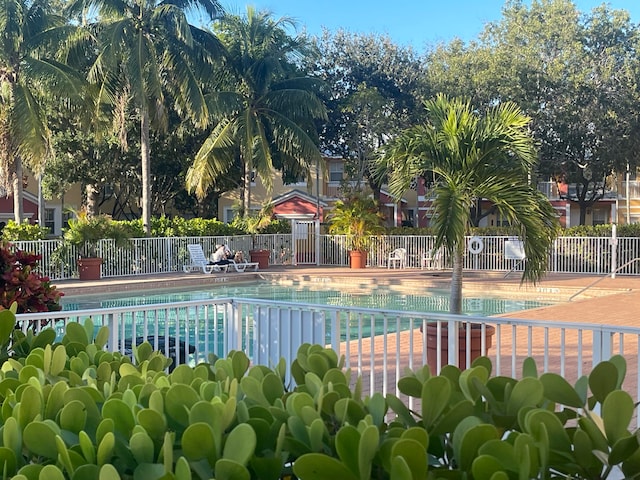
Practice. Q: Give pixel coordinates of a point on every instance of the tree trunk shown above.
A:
(145, 154)
(246, 200)
(92, 199)
(455, 300)
(18, 191)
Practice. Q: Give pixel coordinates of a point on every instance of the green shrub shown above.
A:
(13, 232)
(70, 409)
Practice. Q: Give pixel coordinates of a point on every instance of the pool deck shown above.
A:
(614, 301)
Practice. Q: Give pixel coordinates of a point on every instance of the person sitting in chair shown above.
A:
(219, 257)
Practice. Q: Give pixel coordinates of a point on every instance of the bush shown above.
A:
(22, 284)
(14, 232)
(72, 410)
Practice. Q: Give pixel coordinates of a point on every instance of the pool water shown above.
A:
(379, 298)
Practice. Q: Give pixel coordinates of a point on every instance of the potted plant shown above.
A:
(357, 217)
(254, 224)
(85, 231)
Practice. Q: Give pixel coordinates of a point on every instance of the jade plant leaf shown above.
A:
(105, 449)
(400, 470)
(240, 444)
(146, 471)
(316, 466)
(367, 449)
(485, 467)
(400, 409)
(529, 368)
(75, 332)
(414, 454)
(178, 401)
(346, 442)
(436, 394)
(603, 380)
(141, 447)
(528, 392)
(51, 472)
(467, 378)
(617, 412)
(8, 461)
(198, 442)
(40, 439)
(121, 414)
(624, 449)
(73, 416)
(12, 436)
(558, 390)
(410, 386)
(469, 440)
(226, 469)
(108, 472)
(153, 422)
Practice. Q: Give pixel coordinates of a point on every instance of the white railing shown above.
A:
(144, 256)
(268, 330)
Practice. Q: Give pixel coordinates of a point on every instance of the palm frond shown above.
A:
(28, 129)
(213, 158)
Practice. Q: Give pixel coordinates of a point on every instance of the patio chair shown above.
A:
(432, 260)
(199, 262)
(399, 257)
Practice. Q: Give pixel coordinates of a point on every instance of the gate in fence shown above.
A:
(305, 242)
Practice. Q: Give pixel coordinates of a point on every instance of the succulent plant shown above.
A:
(72, 410)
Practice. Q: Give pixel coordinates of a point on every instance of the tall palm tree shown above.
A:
(474, 157)
(30, 37)
(149, 54)
(268, 111)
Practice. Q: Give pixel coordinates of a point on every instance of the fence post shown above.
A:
(614, 250)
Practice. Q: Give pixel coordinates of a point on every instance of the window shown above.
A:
(336, 171)
(229, 214)
(50, 219)
(600, 216)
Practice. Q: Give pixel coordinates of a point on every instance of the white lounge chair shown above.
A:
(243, 266)
(399, 257)
(199, 262)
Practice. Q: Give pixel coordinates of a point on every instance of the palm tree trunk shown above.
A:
(146, 169)
(246, 198)
(92, 199)
(455, 300)
(18, 191)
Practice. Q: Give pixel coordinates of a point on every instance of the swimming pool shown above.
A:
(428, 300)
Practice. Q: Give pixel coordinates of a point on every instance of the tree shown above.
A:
(144, 50)
(574, 74)
(474, 156)
(374, 87)
(269, 109)
(29, 72)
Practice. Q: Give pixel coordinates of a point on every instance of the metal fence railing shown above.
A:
(378, 345)
(143, 256)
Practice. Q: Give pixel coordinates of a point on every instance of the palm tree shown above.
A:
(474, 157)
(267, 112)
(149, 54)
(29, 73)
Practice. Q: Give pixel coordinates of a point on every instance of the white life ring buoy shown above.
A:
(475, 245)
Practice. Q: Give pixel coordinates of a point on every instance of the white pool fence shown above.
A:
(146, 256)
(267, 330)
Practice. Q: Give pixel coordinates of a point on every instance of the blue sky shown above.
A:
(420, 23)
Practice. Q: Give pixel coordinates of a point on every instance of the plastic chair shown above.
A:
(399, 257)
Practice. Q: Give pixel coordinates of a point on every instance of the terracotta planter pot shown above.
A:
(476, 345)
(260, 256)
(89, 268)
(357, 259)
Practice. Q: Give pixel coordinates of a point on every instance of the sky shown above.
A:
(417, 23)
